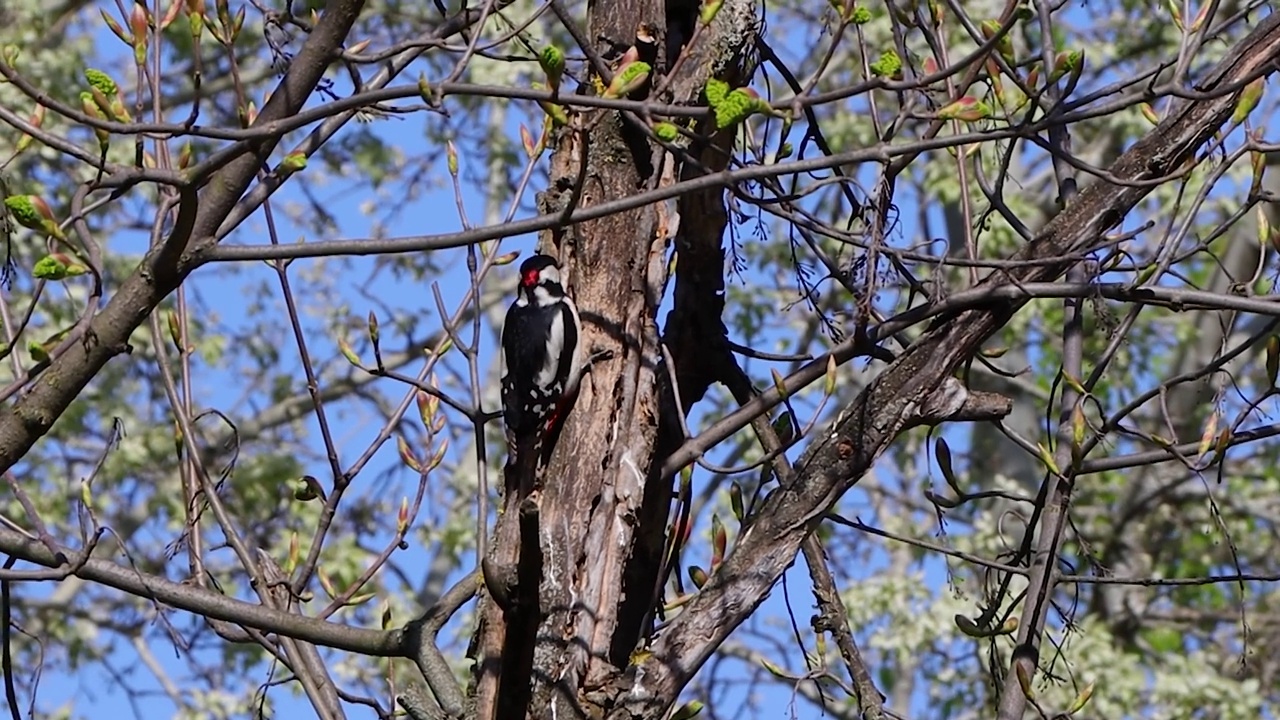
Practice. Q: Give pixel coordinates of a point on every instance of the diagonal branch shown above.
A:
(832, 616)
(892, 402)
(159, 273)
(210, 604)
(303, 657)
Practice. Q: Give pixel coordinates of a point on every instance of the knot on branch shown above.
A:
(953, 401)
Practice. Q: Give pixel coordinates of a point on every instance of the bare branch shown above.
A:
(890, 404)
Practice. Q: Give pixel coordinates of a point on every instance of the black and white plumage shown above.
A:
(541, 356)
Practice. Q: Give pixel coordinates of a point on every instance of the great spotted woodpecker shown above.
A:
(541, 359)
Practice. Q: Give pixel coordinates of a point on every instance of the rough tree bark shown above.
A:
(579, 561)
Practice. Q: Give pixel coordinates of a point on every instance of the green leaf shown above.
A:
(1249, 98)
(690, 709)
(888, 66)
(1273, 359)
(293, 162)
(710, 8)
(57, 266)
(966, 109)
(666, 132)
(345, 348)
(307, 488)
(101, 82)
(1081, 699)
(628, 80)
(716, 91)
(552, 61)
(943, 452)
(697, 576)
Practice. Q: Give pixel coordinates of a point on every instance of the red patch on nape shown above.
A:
(529, 278)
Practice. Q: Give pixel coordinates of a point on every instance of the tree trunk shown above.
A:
(580, 559)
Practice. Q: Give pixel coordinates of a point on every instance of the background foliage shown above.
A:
(239, 381)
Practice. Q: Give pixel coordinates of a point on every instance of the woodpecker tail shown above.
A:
(522, 463)
(554, 424)
(526, 452)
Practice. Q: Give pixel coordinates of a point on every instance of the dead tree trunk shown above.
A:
(580, 560)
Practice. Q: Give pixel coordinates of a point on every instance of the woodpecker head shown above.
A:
(540, 281)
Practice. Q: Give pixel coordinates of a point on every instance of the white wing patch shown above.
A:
(555, 345)
(575, 363)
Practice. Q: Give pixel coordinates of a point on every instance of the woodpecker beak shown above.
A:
(529, 279)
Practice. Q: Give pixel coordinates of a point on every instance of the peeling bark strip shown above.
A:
(891, 403)
(694, 332)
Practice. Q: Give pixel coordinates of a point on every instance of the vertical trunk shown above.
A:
(595, 483)
(576, 564)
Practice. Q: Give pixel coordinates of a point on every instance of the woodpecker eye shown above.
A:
(529, 278)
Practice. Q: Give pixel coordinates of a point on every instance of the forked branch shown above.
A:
(891, 403)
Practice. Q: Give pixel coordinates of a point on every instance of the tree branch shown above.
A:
(832, 616)
(198, 218)
(864, 430)
(210, 604)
